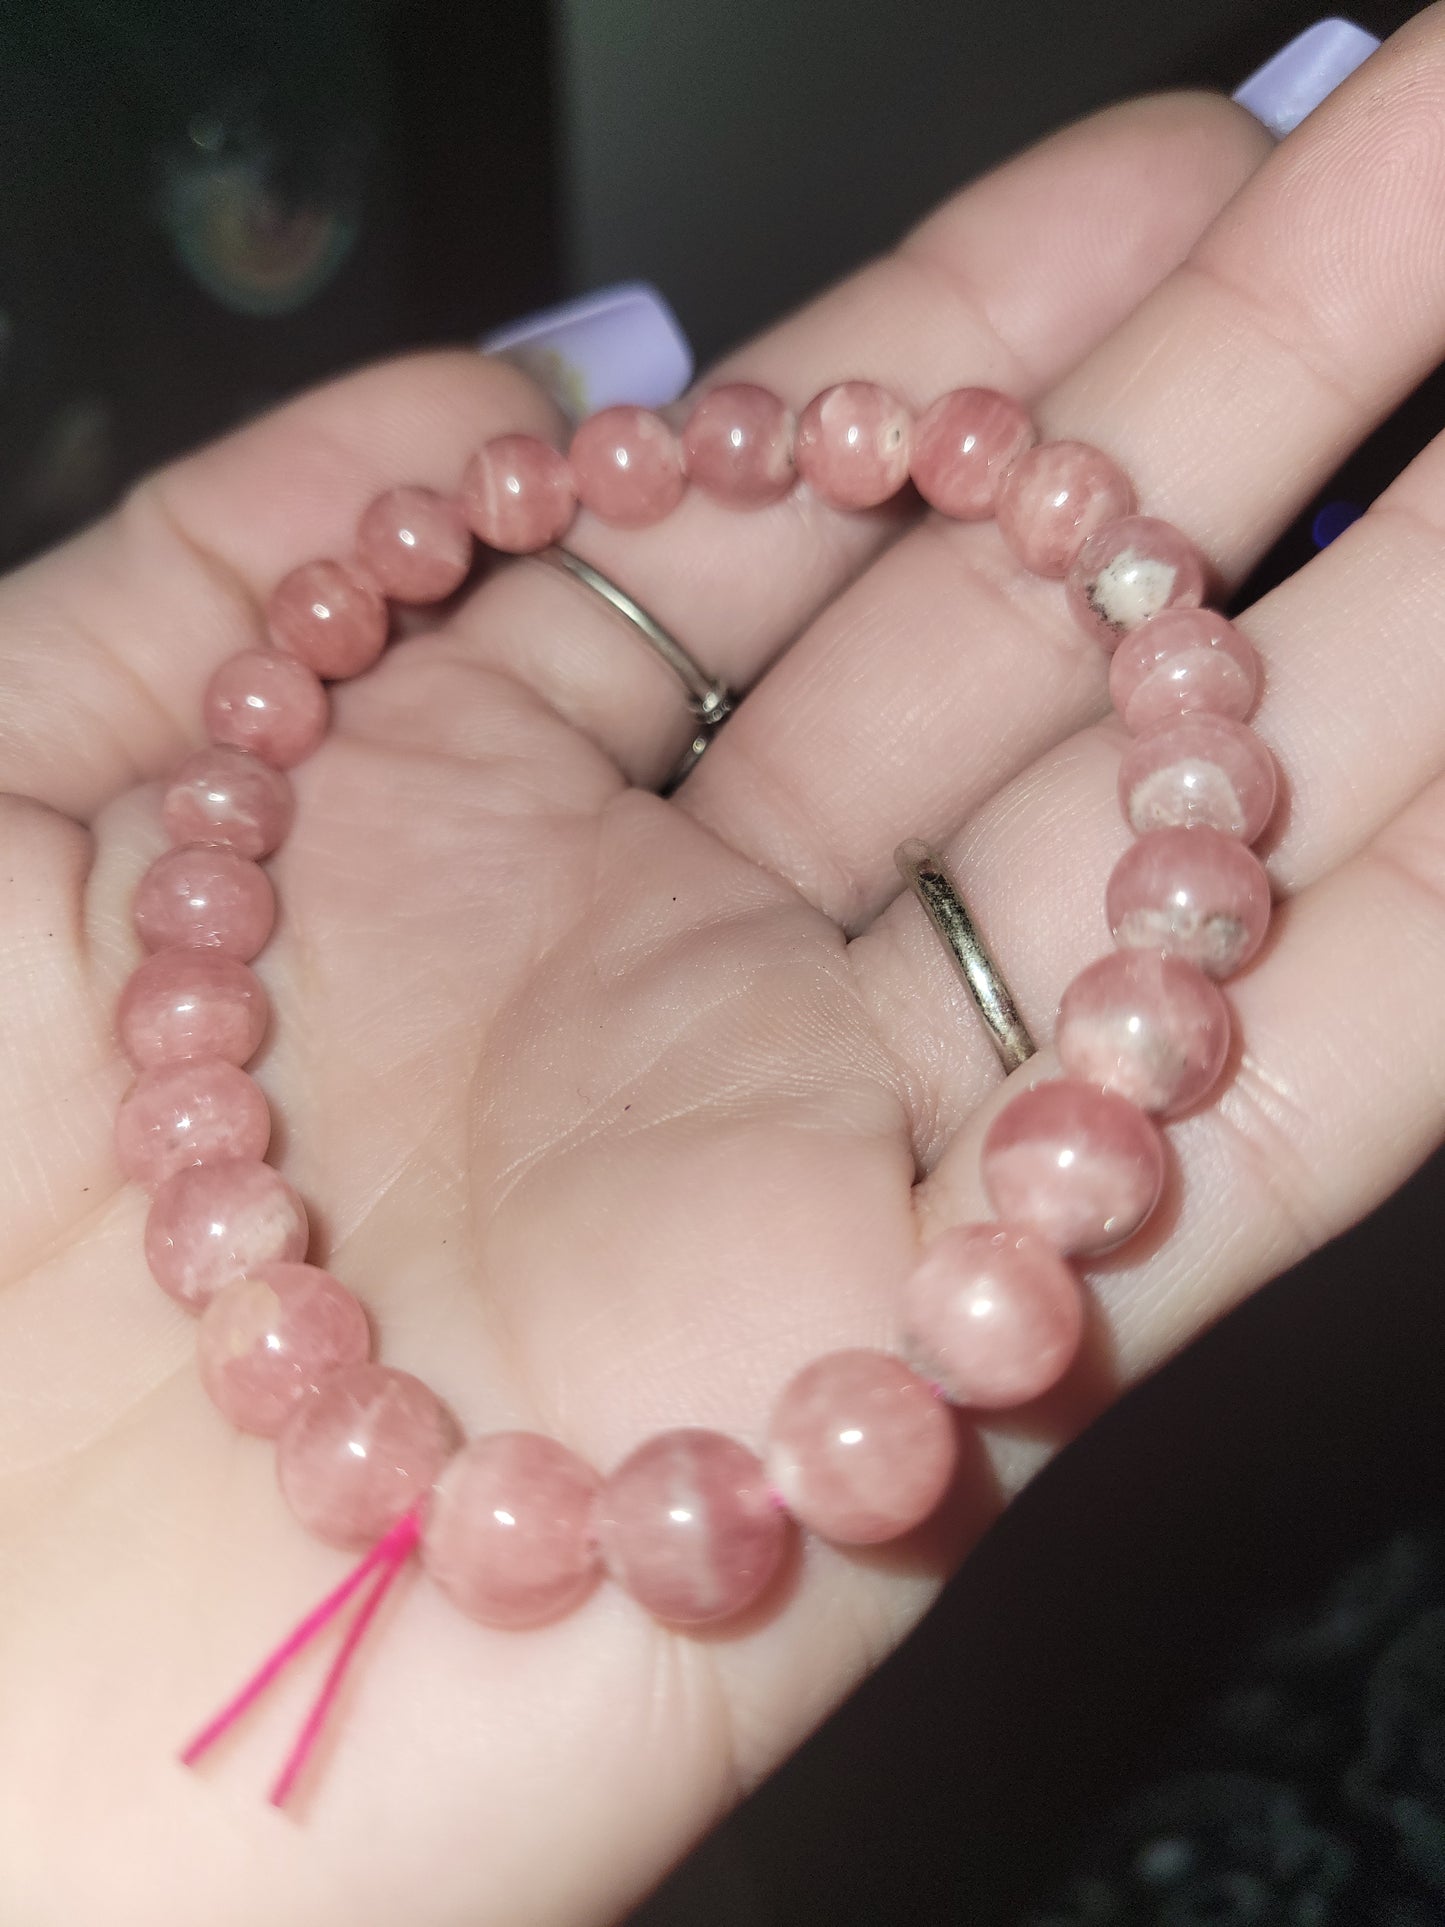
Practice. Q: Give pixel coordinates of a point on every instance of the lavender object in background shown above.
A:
(1294, 81)
(620, 344)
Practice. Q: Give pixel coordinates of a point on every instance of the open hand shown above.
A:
(615, 1111)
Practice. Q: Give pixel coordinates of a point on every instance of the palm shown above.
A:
(563, 1113)
(598, 1101)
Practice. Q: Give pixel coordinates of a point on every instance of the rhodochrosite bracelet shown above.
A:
(515, 1527)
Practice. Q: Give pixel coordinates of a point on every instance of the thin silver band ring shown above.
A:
(922, 870)
(709, 700)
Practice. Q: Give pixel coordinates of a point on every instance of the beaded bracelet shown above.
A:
(515, 1527)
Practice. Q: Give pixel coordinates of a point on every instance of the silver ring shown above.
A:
(922, 870)
(710, 701)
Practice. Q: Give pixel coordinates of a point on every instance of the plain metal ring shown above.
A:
(923, 871)
(709, 700)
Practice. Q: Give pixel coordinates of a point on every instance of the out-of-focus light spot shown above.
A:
(261, 220)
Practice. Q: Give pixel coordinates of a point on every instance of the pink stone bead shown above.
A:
(737, 445)
(361, 1450)
(627, 465)
(854, 444)
(688, 1525)
(226, 796)
(195, 1112)
(1147, 1026)
(191, 1003)
(205, 897)
(993, 1315)
(1054, 497)
(329, 618)
(272, 705)
(267, 1339)
(214, 1222)
(1127, 572)
(1198, 770)
(414, 545)
(1198, 894)
(518, 494)
(859, 1449)
(1179, 663)
(509, 1534)
(1078, 1164)
(962, 448)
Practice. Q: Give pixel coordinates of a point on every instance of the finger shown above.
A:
(106, 644)
(1314, 302)
(1338, 1095)
(1355, 743)
(1010, 283)
(1338, 1088)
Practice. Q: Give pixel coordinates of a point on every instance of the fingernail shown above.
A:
(1295, 80)
(621, 344)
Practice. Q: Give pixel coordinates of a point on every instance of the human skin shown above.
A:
(611, 1109)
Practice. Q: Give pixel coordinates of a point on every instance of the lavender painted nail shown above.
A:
(621, 344)
(1293, 82)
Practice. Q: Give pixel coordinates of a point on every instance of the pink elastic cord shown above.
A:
(390, 1553)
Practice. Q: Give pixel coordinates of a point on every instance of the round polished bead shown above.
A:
(205, 897)
(1179, 663)
(413, 545)
(1198, 894)
(627, 465)
(1147, 1026)
(1127, 572)
(267, 1339)
(737, 445)
(1198, 770)
(688, 1526)
(992, 1314)
(1052, 499)
(859, 1449)
(328, 617)
(226, 796)
(962, 448)
(509, 1534)
(194, 1112)
(854, 444)
(518, 494)
(191, 1003)
(272, 705)
(214, 1222)
(360, 1451)
(1078, 1164)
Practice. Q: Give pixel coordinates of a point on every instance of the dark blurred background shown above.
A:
(1196, 1677)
